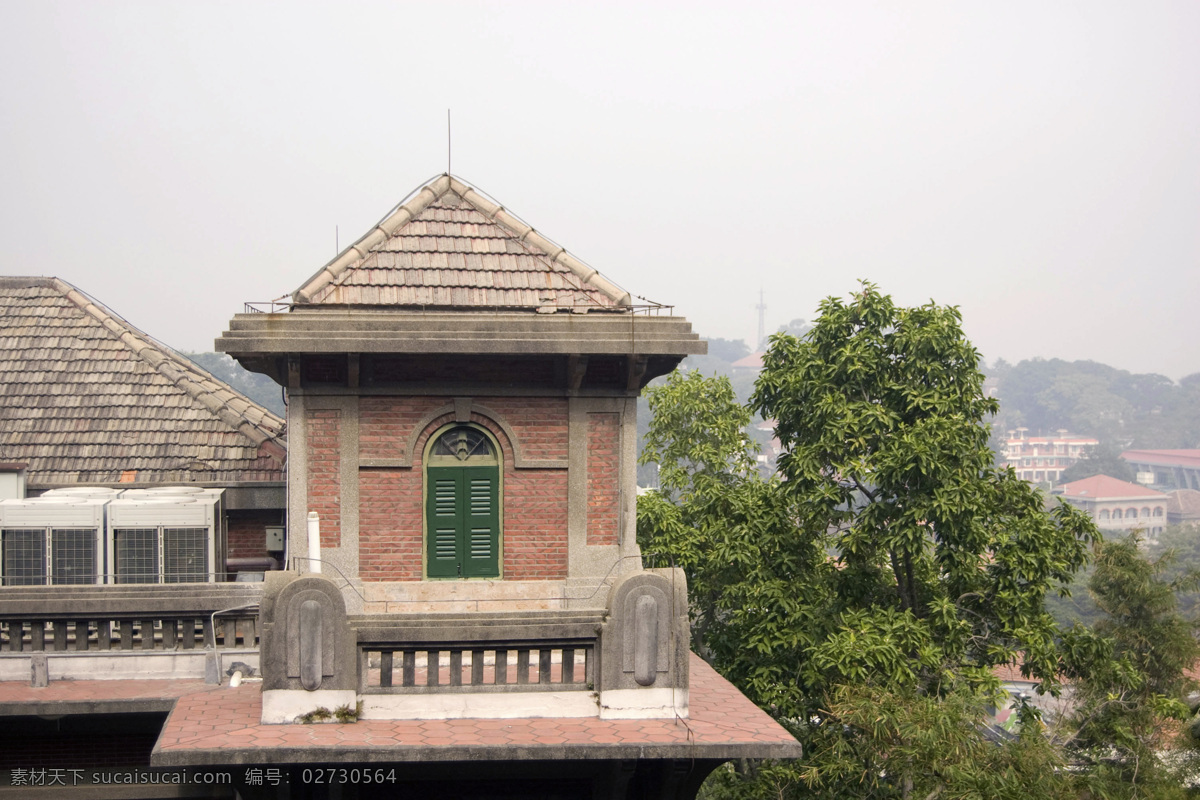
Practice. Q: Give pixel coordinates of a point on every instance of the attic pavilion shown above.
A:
(464, 592)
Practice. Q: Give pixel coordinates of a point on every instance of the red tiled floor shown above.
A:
(208, 720)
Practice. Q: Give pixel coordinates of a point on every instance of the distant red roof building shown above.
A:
(754, 362)
(1179, 469)
(1117, 505)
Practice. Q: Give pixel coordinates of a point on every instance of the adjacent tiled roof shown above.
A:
(1104, 487)
(87, 398)
(451, 247)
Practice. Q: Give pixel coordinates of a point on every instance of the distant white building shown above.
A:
(1043, 458)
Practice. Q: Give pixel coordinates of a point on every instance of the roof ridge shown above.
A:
(428, 194)
(187, 375)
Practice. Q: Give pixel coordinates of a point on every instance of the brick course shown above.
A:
(324, 428)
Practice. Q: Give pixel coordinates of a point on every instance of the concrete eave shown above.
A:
(497, 333)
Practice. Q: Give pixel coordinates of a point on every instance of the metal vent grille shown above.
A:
(24, 556)
(136, 555)
(185, 555)
(73, 556)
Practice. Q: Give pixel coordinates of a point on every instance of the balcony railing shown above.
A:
(128, 618)
(500, 652)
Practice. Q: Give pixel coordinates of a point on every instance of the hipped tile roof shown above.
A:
(1106, 487)
(450, 247)
(85, 397)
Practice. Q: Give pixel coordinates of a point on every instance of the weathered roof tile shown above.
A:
(445, 243)
(88, 396)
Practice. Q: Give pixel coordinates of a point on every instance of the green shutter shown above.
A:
(463, 522)
(482, 540)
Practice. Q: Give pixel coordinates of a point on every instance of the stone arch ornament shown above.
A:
(461, 411)
(308, 654)
(644, 647)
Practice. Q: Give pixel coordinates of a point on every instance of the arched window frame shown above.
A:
(495, 461)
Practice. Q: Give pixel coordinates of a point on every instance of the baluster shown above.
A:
(16, 636)
(250, 631)
(104, 634)
(544, 665)
(231, 632)
(589, 666)
(501, 666)
(210, 635)
(60, 634)
(37, 635)
(385, 669)
(410, 668)
(523, 665)
(432, 667)
(188, 633)
(476, 667)
(168, 628)
(81, 634)
(456, 667)
(147, 634)
(126, 634)
(568, 665)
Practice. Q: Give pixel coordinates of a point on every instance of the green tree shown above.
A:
(1129, 676)
(892, 565)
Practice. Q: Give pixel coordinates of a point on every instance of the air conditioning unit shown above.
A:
(53, 540)
(166, 535)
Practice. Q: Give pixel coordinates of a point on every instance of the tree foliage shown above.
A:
(1129, 676)
(888, 565)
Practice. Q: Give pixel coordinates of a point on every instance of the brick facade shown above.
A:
(386, 423)
(324, 429)
(389, 525)
(603, 478)
(535, 525)
(534, 532)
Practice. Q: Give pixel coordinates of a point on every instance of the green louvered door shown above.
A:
(463, 522)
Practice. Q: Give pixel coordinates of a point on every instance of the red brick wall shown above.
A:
(535, 524)
(324, 426)
(535, 501)
(539, 423)
(246, 533)
(385, 423)
(603, 480)
(389, 525)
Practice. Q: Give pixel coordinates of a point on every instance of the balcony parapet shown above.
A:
(628, 660)
(126, 632)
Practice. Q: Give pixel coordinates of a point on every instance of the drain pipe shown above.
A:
(314, 542)
(212, 662)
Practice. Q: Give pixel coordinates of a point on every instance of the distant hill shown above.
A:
(258, 388)
(1121, 409)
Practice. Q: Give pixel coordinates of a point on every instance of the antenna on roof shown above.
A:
(447, 141)
(762, 325)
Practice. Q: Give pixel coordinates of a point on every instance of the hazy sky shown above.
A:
(1036, 164)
